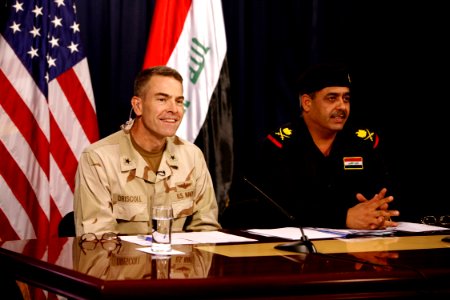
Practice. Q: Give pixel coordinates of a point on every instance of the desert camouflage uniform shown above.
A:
(116, 188)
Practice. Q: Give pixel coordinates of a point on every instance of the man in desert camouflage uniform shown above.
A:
(122, 175)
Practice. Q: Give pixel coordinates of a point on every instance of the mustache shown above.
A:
(339, 113)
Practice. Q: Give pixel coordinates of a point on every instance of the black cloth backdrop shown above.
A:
(397, 50)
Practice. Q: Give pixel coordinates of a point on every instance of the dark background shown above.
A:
(397, 50)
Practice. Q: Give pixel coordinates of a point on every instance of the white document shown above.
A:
(293, 233)
(185, 238)
(210, 237)
(171, 252)
(418, 227)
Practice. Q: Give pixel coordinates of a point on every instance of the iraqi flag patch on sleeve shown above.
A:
(353, 163)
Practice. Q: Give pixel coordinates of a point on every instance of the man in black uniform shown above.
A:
(323, 173)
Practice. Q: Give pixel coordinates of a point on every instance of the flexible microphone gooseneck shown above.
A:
(304, 245)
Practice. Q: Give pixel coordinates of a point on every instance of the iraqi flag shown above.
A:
(189, 36)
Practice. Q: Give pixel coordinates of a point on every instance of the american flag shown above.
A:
(47, 115)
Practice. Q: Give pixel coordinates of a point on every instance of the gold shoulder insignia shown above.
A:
(279, 135)
(366, 134)
(284, 133)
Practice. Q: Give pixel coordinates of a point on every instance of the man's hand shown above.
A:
(373, 213)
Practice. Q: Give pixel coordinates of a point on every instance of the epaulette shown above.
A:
(279, 136)
(369, 136)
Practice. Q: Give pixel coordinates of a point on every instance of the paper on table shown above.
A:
(418, 227)
(185, 238)
(312, 233)
(210, 237)
(136, 239)
(348, 233)
(402, 226)
(294, 233)
(171, 252)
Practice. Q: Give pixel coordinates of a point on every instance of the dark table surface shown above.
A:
(63, 267)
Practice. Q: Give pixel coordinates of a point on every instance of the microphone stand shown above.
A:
(304, 245)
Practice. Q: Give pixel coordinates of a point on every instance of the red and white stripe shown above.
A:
(41, 141)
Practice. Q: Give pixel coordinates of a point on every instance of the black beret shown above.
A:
(320, 76)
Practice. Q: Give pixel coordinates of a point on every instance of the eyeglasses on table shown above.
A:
(110, 241)
(436, 220)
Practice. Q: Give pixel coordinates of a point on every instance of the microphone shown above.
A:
(129, 117)
(130, 120)
(304, 245)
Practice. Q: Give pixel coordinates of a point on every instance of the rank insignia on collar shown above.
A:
(353, 163)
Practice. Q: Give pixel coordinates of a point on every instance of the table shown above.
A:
(409, 267)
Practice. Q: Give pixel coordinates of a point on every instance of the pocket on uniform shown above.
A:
(131, 208)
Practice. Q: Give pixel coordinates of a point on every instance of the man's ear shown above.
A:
(305, 102)
(136, 102)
